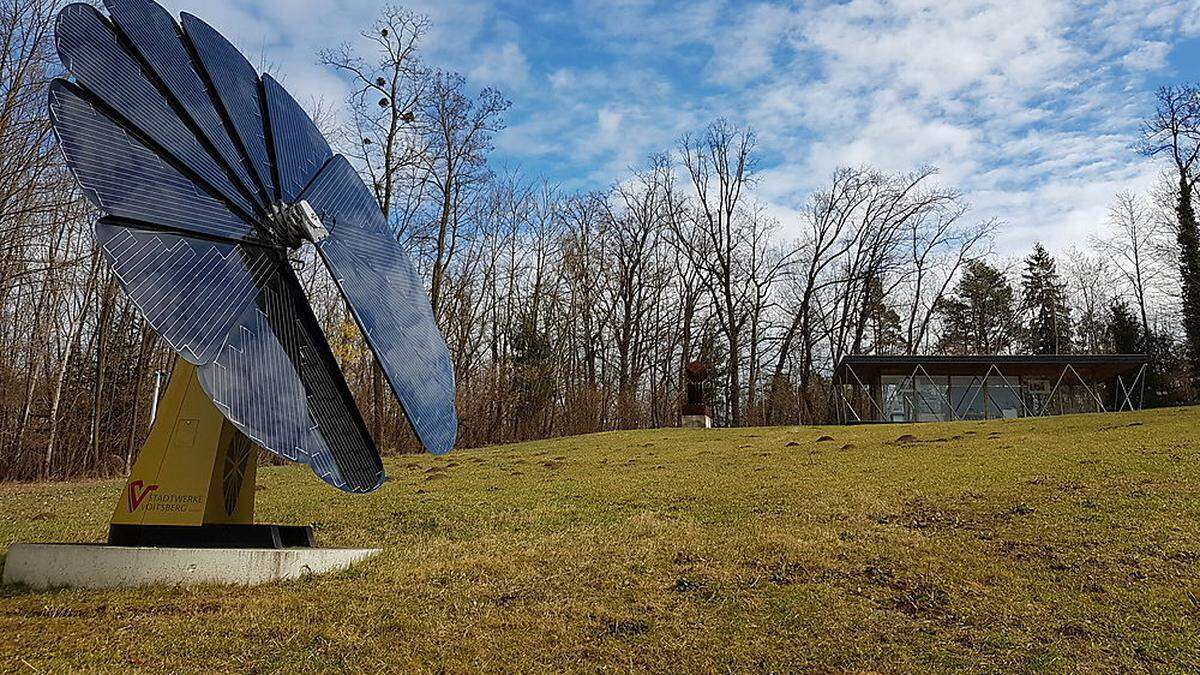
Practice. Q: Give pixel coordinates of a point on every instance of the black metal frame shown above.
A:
(212, 536)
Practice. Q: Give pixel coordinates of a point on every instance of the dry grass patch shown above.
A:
(1068, 544)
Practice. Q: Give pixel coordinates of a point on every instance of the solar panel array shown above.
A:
(187, 151)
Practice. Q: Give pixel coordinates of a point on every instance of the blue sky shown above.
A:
(1028, 106)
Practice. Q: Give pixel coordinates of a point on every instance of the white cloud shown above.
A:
(746, 46)
(503, 66)
(1027, 105)
(1147, 55)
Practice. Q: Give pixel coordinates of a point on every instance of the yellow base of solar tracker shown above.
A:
(195, 469)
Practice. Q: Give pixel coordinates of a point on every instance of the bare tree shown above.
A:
(1135, 246)
(458, 132)
(387, 86)
(634, 224)
(939, 246)
(826, 219)
(584, 313)
(766, 265)
(720, 163)
(1089, 280)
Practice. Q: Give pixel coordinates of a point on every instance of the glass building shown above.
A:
(949, 388)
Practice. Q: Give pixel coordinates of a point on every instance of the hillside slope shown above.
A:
(1062, 544)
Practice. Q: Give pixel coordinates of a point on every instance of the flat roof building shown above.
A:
(948, 388)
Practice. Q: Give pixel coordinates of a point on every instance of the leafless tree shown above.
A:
(387, 87)
(720, 163)
(634, 225)
(1089, 280)
(458, 132)
(1136, 246)
(826, 220)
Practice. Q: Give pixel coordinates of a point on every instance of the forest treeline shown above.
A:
(574, 312)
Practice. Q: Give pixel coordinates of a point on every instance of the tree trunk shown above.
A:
(139, 380)
(60, 381)
(102, 330)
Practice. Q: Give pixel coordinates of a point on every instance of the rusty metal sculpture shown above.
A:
(696, 413)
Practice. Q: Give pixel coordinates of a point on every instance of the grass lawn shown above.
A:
(1067, 544)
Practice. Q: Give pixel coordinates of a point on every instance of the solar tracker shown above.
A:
(210, 177)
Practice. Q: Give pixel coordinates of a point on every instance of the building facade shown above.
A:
(949, 388)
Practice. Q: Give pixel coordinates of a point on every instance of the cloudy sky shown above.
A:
(1028, 106)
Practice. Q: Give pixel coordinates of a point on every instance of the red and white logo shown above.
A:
(138, 491)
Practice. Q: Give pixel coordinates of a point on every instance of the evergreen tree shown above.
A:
(1189, 270)
(1124, 331)
(978, 317)
(1045, 299)
(533, 380)
(884, 323)
(1168, 382)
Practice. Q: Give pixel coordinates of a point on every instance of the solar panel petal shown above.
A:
(155, 36)
(276, 383)
(189, 290)
(124, 178)
(89, 48)
(238, 90)
(388, 300)
(300, 149)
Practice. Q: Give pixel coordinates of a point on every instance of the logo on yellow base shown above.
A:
(195, 468)
(138, 491)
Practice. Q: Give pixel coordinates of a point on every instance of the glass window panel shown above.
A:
(967, 396)
(895, 405)
(1004, 399)
(928, 400)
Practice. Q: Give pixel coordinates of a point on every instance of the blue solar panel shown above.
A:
(388, 300)
(125, 179)
(277, 383)
(237, 87)
(191, 291)
(154, 34)
(89, 48)
(176, 139)
(300, 149)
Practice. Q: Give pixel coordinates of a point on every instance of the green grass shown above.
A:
(1068, 544)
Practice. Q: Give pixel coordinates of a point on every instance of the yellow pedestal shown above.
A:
(195, 469)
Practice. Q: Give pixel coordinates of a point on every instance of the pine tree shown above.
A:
(1124, 330)
(978, 318)
(1045, 299)
(886, 334)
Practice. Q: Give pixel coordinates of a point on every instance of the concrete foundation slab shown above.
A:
(697, 422)
(98, 566)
